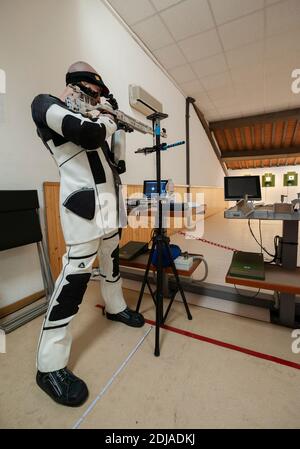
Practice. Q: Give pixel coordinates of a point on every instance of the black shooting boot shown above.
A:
(63, 387)
(127, 316)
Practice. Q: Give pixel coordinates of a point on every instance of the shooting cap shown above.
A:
(81, 71)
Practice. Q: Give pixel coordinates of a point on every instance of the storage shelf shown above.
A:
(141, 263)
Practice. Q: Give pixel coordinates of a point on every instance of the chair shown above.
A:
(19, 226)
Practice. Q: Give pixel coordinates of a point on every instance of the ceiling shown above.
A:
(266, 140)
(235, 57)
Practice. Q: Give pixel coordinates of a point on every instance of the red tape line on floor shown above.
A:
(222, 344)
(209, 242)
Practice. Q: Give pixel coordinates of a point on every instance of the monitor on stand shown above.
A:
(237, 188)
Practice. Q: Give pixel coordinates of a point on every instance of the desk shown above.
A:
(284, 279)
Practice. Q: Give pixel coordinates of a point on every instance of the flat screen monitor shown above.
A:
(150, 188)
(236, 187)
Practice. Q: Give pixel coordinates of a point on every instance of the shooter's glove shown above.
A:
(95, 114)
(121, 167)
(112, 101)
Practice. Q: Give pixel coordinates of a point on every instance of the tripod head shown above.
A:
(156, 118)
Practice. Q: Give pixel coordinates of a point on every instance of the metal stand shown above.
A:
(160, 243)
(287, 306)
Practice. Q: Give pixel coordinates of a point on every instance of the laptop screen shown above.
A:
(150, 188)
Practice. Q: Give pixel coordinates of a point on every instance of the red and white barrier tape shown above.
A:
(228, 248)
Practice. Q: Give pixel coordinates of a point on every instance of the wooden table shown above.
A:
(140, 262)
(283, 279)
(276, 278)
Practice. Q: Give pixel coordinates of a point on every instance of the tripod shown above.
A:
(160, 243)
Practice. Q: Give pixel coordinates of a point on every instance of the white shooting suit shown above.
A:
(89, 218)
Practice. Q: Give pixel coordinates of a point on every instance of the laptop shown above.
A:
(150, 188)
(247, 265)
(133, 249)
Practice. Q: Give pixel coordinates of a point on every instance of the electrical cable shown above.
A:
(199, 257)
(151, 237)
(260, 244)
(196, 281)
(247, 296)
(276, 247)
(260, 235)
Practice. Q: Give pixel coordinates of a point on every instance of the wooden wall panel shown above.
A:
(55, 238)
(213, 199)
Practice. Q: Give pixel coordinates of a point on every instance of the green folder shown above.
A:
(247, 265)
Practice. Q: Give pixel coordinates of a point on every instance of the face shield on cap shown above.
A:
(84, 97)
(90, 77)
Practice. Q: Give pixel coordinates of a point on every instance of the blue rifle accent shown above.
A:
(165, 147)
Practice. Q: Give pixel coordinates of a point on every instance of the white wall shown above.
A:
(205, 168)
(272, 195)
(38, 41)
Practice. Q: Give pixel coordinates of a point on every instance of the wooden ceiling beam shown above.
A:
(273, 134)
(252, 136)
(234, 140)
(247, 155)
(254, 119)
(284, 133)
(294, 138)
(243, 136)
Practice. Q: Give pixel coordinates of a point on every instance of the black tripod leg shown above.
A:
(169, 306)
(159, 294)
(145, 280)
(174, 269)
(151, 291)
